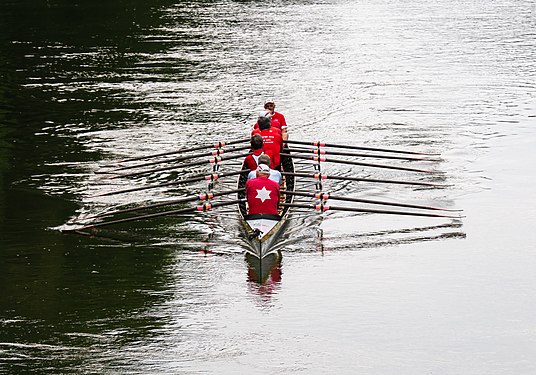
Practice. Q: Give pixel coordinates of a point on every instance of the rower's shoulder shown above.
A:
(274, 183)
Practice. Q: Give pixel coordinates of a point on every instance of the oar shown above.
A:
(210, 177)
(319, 176)
(204, 207)
(202, 197)
(323, 208)
(214, 160)
(322, 144)
(351, 162)
(326, 196)
(213, 145)
(217, 152)
(318, 151)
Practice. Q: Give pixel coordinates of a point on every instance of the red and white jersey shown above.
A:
(279, 118)
(252, 161)
(262, 195)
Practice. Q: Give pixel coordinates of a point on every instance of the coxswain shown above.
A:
(262, 193)
(272, 139)
(252, 160)
(274, 174)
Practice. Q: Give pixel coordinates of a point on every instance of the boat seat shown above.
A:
(262, 216)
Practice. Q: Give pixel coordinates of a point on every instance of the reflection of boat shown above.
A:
(262, 231)
(265, 269)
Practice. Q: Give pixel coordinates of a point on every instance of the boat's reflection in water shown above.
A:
(264, 274)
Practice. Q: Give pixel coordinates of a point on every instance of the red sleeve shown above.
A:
(270, 153)
(279, 139)
(250, 163)
(280, 118)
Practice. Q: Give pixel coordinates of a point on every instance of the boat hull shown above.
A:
(262, 233)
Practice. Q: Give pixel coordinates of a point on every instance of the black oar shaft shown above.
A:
(197, 148)
(326, 196)
(217, 152)
(215, 160)
(323, 208)
(202, 197)
(319, 177)
(204, 207)
(210, 177)
(322, 144)
(317, 151)
(352, 162)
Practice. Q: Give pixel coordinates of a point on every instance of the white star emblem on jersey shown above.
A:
(263, 194)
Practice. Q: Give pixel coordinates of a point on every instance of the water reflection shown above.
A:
(260, 270)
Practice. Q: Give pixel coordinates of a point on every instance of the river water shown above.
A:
(85, 83)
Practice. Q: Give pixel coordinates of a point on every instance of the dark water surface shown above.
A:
(84, 83)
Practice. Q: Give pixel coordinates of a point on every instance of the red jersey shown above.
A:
(278, 117)
(273, 143)
(276, 123)
(262, 195)
(257, 131)
(252, 161)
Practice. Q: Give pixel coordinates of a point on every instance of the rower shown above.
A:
(278, 120)
(272, 139)
(277, 117)
(252, 161)
(275, 175)
(262, 193)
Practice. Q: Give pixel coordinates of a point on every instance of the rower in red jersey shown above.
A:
(272, 139)
(267, 114)
(278, 120)
(252, 161)
(262, 193)
(277, 117)
(276, 125)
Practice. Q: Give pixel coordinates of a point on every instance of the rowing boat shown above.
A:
(263, 231)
